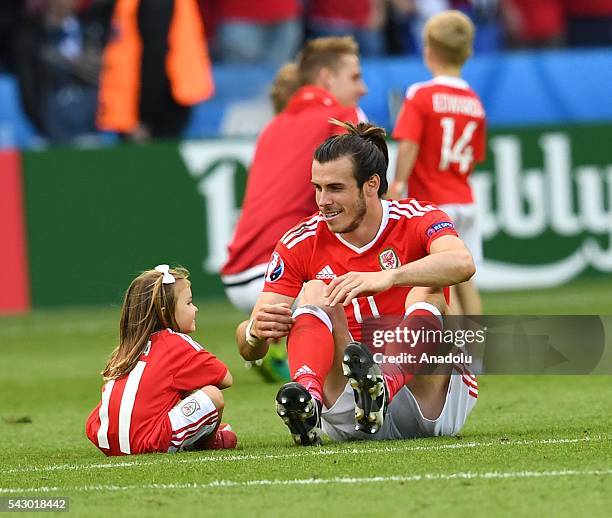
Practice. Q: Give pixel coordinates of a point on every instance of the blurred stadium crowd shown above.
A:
(56, 48)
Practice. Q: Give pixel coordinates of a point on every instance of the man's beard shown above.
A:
(360, 212)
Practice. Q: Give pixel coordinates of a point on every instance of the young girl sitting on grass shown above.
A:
(162, 390)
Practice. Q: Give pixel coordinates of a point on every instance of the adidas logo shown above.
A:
(304, 369)
(326, 273)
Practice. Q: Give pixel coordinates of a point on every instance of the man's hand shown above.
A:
(272, 322)
(343, 289)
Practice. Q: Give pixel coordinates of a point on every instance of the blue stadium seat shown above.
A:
(518, 89)
(15, 129)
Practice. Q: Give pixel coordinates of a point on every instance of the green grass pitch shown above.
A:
(534, 445)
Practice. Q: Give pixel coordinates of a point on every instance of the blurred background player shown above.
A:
(441, 130)
(279, 192)
(357, 259)
(162, 390)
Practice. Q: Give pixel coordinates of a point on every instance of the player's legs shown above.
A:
(405, 419)
(371, 393)
(460, 397)
(322, 357)
(455, 308)
(196, 420)
(465, 299)
(375, 386)
(313, 295)
(424, 309)
(316, 371)
(419, 405)
(319, 330)
(468, 299)
(370, 389)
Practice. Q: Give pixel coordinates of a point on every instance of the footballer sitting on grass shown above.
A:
(360, 256)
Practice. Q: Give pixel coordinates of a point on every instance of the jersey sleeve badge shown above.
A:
(276, 268)
(437, 227)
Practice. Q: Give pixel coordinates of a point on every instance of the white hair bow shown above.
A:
(168, 278)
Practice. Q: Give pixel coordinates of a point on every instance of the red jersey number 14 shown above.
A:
(459, 152)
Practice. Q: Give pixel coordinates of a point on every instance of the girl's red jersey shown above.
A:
(132, 416)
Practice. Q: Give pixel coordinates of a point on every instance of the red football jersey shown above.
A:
(446, 118)
(311, 251)
(133, 414)
(279, 192)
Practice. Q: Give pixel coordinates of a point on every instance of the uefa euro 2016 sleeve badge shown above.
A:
(276, 268)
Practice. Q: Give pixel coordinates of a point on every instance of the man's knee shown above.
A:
(433, 296)
(314, 294)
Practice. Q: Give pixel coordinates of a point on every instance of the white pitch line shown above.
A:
(461, 475)
(172, 459)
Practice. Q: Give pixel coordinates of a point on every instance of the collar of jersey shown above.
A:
(454, 82)
(310, 95)
(367, 246)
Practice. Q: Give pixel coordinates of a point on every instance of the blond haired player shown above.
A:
(278, 192)
(441, 131)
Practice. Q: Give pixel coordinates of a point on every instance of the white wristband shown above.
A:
(253, 341)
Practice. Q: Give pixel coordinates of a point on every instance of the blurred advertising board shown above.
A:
(97, 217)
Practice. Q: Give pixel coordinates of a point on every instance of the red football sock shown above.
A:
(427, 322)
(398, 374)
(395, 377)
(310, 350)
